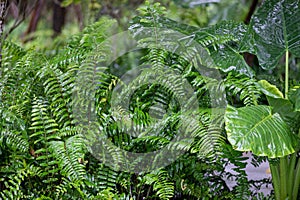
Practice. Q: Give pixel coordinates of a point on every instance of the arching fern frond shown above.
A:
(68, 154)
(14, 140)
(243, 87)
(14, 188)
(161, 183)
(59, 87)
(207, 134)
(11, 53)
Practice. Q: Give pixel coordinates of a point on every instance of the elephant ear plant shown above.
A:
(273, 130)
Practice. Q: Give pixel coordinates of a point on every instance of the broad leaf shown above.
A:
(256, 129)
(276, 27)
(269, 89)
(285, 109)
(230, 44)
(280, 105)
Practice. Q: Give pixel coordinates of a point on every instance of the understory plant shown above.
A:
(268, 125)
(45, 154)
(272, 128)
(43, 150)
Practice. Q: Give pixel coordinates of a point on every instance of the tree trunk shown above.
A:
(79, 15)
(59, 14)
(3, 4)
(251, 11)
(36, 14)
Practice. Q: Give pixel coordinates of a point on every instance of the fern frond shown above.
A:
(14, 188)
(59, 88)
(163, 187)
(11, 52)
(42, 123)
(14, 140)
(68, 154)
(70, 189)
(207, 136)
(243, 87)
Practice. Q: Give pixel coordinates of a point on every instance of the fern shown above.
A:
(163, 187)
(243, 87)
(70, 151)
(220, 41)
(14, 183)
(62, 118)
(14, 140)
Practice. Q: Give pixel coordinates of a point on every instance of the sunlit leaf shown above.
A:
(269, 89)
(257, 129)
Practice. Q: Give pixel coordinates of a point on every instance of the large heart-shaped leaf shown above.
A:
(276, 27)
(256, 129)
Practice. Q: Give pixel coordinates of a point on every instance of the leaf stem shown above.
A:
(275, 180)
(286, 74)
(283, 177)
(296, 181)
(291, 173)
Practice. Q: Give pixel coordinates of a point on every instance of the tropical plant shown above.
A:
(273, 130)
(42, 149)
(265, 130)
(45, 148)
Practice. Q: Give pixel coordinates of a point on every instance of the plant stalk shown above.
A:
(275, 180)
(280, 175)
(296, 181)
(291, 174)
(286, 88)
(3, 7)
(283, 166)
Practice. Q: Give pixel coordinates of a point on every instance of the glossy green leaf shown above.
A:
(256, 129)
(276, 27)
(280, 105)
(285, 109)
(232, 42)
(269, 89)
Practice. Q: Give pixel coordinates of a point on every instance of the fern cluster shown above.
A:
(49, 152)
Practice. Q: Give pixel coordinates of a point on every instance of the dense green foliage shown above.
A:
(45, 153)
(272, 129)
